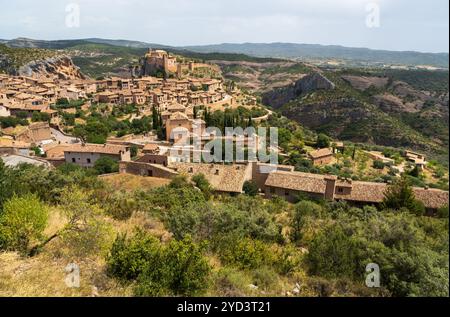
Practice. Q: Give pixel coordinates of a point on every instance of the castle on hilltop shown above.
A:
(158, 61)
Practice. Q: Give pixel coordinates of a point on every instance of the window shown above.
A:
(286, 193)
(73, 160)
(88, 161)
(340, 190)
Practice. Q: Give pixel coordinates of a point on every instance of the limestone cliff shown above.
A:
(60, 67)
(307, 84)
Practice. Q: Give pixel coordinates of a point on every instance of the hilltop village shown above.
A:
(39, 118)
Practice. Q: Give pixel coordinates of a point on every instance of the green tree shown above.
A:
(130, 256)
(302, 211)
(332, 254)
(187, 269)
(6, 188)
(134, 151)
(400, 195)
(203, 184)
(251, 188)
(377, 164)
(106, 165)
(22, 221)
(323, 141)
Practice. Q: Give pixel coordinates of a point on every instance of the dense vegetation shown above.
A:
(225, 246)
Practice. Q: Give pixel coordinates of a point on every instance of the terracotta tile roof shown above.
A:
(432, 198)
(374, 193)
(55, 151)
(179, 116)
(151, 147)
(320, 153)
(305, 182)
(365, 192)
(223, 178)
(96, 148)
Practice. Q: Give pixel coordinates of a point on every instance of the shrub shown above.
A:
(23, 220)
(400, 195)
(246, 253)
(323, 141)
(121, 206)
(202, 183)
(377, 164)
(302, 211)
(251, 188)
(106, 165)
(129, 257)
(443, 212)
(332, 254)
(178, 268)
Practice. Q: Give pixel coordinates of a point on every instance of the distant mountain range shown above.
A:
(273, 50)
(313, 51)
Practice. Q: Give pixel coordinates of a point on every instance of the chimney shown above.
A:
(330, 187)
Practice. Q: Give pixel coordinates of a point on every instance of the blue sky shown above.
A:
(421, 25)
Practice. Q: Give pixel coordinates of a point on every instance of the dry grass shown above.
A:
(131, 182)
(44, 274)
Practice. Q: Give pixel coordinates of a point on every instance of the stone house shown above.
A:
(321, 156)
(86, 155)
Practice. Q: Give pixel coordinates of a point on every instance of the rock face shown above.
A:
(60, 67)
(309, 83)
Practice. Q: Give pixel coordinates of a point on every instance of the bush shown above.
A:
(202, 183)
(332, 254)
(443, 212)
(178, 268)
(106, 165)
(251, 188)
(302, 211)
(323, 141)
(400, 195)
(22, 221)
(129, 257)
(121, 206)
(246, 253)
(377, 164)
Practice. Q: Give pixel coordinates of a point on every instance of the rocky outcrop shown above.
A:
(60, 67)
(307, 84)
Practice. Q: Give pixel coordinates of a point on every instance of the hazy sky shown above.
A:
(421, 25)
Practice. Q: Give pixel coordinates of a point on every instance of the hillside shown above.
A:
(39, 62)
(373, 108)
(11, 59)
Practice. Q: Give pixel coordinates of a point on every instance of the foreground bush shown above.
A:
(23, 220)
(178, 268)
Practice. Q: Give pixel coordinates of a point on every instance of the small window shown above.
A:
(88, 161)
(73, 160)
(340, 190)
(286, 193)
